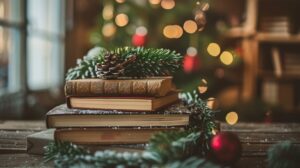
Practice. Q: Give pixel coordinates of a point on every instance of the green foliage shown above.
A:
(165, 149)
(86, 67)
(149, 62)
(284, 155)
(192, 162)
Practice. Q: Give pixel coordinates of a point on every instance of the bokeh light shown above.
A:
(212, 103)
(120, 1)
(154, 2)
(191, 51)
(226, 58)
(141, 31)
(190, 26)
(232, 118)
(202, 88)
(109, 30)
(172, 31)
(167, 4)
(121, 20)
(213, 49)
(108, 12)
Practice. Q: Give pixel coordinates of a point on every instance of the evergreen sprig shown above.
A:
(165, 149)
(149, 62)
(284, 155)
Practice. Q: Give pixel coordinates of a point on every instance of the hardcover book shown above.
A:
(122, 103)
(63, 117)
(108, 135)
(154, 87)
(37, 141)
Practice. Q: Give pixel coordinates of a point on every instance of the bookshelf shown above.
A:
(270, 39)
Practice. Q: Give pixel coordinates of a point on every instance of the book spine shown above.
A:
(156, 88)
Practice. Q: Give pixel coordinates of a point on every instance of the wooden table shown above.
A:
(256, 138)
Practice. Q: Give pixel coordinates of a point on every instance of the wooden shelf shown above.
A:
(284, 76)
(238, 32)
(277, 38)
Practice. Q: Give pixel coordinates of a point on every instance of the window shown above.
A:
(11, 25)
(45, 43)
(39, 43)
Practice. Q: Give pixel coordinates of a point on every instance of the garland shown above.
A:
(149, 62)
(165, 149)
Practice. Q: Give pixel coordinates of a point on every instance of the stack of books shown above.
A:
(110, 112)
(275, 25)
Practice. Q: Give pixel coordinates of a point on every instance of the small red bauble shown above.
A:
(191, 63)
(138, 40)
(226, 148)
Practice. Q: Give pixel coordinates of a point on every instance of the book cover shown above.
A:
(108, 135)
(37, 141)
(155, 87)
(123, 103)
(62, 117)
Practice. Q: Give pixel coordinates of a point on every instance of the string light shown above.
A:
(172, 31)
(213, 49)
(226, 58)
(232, 118)
(109, 30)
(190, 26)
(108, 12)
(167, 4)
(154, 2)
(121, 20)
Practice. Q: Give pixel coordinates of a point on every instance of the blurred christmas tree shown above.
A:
(176, 25)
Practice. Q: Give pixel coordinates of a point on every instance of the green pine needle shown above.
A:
(284, 155)
(149, 62)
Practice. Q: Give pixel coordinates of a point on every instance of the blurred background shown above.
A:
(243, 56)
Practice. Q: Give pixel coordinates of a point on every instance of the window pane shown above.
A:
(45, 43)
(9, 59)
(10, 10)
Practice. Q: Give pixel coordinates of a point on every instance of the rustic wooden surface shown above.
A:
(256, 138)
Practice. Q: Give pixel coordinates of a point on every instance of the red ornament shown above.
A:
(138, 40)
(226, 148)
(191, 63)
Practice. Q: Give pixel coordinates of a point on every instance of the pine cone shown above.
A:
(112, 67)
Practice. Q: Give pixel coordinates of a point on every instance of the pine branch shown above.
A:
(149, 62)
(86, 68)
(284, 155)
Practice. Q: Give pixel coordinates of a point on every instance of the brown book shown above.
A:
(155, 87)
(63, 117)
(37, 141)
(107, 135)
(122, 103)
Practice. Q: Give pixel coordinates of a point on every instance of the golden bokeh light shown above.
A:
(232, 118)
(172, 31)
(167, 4)
(213, 49)
(190, 26)
(154, 2)
(121, 20)
(120, 1)
(226, 58)
(108, 12)
(202, 88)
(109, 30)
